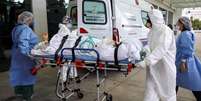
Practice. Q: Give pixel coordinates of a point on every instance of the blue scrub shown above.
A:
(24, 39)
(186, 50)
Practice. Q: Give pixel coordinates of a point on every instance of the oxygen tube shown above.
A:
(88, 43)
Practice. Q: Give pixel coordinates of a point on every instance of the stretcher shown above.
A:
(69, 87)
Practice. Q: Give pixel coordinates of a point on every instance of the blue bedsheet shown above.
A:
(80, 57)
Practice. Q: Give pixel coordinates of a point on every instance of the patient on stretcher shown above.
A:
(107, 49)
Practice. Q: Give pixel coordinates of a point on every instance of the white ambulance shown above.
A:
(118, 19)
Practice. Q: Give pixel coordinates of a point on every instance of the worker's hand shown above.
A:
(31, 57)
(141, 64)
(183, 67)
(144, 52)
(43, 61)
(146, 49)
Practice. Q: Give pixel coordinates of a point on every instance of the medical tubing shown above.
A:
(89, 41)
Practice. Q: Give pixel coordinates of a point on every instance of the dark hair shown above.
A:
(170, 26)
(186, 24)
(149, 21)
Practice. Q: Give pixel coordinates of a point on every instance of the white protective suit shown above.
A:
(160, 63)
(49, 49)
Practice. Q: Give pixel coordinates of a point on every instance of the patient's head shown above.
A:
(67, 21)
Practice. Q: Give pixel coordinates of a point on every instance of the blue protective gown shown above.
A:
(186, 50)
(24, 39)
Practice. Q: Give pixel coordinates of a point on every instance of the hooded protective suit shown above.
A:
(160, 63)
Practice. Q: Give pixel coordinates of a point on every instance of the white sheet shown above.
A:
(129, 49)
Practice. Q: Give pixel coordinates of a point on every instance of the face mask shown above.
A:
(69, 26)
(32, 24)
(177, 28)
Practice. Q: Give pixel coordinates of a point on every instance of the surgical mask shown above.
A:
(32, 24)
(69, 26)
(177, 28)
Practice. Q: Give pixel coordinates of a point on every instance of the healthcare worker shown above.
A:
(160, 62)
(188, 65)
(24, 39)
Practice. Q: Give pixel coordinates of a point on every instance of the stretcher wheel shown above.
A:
(77, 79)
(63, 99)
(109, 97)
(80, 95)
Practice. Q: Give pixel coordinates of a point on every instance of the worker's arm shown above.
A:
(23, 42)
(161, 49)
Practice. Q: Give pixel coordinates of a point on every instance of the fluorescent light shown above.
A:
(21, 1)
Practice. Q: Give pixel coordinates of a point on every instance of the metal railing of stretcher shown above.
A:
(66, 89)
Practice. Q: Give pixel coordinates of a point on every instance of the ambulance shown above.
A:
(117, 19)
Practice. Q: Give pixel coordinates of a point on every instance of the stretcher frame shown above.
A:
(98, 66)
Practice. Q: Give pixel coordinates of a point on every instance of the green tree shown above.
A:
(196, 24)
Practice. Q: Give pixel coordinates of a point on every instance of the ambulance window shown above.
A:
(94, 12)
(144, 17)
(73, 15)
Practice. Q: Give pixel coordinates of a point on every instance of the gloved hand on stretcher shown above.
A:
(144, 53)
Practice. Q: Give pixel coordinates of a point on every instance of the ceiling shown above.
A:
(179, 3)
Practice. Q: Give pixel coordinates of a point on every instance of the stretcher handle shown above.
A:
(81, 49)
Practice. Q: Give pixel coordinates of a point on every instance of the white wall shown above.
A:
(177, 15)
(192, 12)
(40, 16)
